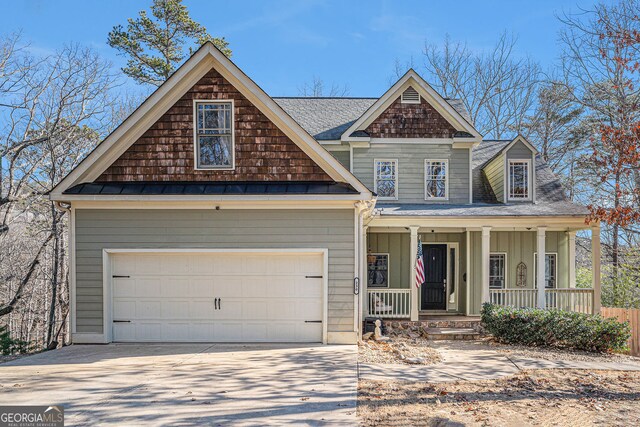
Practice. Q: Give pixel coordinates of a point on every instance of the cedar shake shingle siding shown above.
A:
(410, 121)
(165, 152)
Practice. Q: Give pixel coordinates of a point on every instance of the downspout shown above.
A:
(360, 208)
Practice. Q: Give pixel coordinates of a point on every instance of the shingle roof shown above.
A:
(551, 198)
(210, 188)
(561, 208)
(327, 118)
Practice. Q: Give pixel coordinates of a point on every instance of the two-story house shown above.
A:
(217, 213)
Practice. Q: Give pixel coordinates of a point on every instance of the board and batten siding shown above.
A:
(411, 179)
(397, 245)
(494, 172)
(194, 228)
(520, 246)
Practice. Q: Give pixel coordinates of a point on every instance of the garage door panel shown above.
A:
(124, 310)
(175, 309)
(228, 286)
(144, 287)
(202, 309)
(255, 310)
(263, 297)
(228, 331)
(148, 331)
(124, 288)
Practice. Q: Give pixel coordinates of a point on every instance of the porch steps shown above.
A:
(467, 329)
(452, 334)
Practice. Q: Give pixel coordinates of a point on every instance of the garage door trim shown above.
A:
(107, 281)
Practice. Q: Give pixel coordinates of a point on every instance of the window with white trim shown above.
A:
(550, 270)
(497, 271)
(378, 270)
(436, 174)
(519, 182)
(386, 179)
(214, 135)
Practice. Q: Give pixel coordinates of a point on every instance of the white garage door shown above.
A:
(217, 297)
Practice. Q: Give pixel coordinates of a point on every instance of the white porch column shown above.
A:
(486, 248)
(595, 268)
(571, 241)
(413, 251)
(542, 250)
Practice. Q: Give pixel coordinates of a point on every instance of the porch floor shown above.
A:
(445, 317)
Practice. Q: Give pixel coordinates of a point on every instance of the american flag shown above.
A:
(419, 266)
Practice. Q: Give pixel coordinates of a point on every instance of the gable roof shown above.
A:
(412, 79)
(205, 58)
(550, 193)
(326, 118)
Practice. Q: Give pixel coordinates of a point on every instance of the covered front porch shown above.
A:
(469, 261)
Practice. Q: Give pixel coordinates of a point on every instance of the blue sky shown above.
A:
(283, 44)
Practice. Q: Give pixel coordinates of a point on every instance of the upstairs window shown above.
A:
(410, 96)
(436, 174)
(214, 135)
(519, 181)
(386, 179)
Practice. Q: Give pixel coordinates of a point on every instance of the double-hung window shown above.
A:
(550, 270)
(519, 180)
(497, 271)
(386, 179)
(436, 174)
(378, 270)
(214, 142)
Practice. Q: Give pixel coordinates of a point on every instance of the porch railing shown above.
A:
(389, 303)
(520, 298)
(577, 300)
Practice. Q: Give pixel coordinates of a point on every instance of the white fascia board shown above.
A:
(207, 57)
(477, 222)
(411, 78)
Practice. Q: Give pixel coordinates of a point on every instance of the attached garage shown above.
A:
(217, 296)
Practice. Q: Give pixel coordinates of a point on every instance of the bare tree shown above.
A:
(53, 111)
(597, 77)
(497, 87)
(317, 88)
(556, 126)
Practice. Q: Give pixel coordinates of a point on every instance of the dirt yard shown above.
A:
(534, 398)
(409, 351)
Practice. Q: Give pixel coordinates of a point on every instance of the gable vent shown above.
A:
(410, 96)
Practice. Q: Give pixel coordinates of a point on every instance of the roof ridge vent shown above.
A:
(410, 96)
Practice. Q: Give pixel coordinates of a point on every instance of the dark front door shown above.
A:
(434, 289)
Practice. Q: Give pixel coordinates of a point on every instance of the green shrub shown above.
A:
(554, 328)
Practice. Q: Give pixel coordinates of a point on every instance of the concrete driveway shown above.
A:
(189, 384)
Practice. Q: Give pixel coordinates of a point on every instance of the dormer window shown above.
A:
(214, 141)
(519, 180)
(410, 96)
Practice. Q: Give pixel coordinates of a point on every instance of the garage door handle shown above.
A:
(115, 276)
(122, 321)
(313, 321)
(313, 277)
(215, 303)
(219, 303)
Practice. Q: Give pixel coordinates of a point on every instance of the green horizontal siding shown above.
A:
(233, 229)
(411, 179)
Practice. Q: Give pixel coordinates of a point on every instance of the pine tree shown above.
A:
(155, 44)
